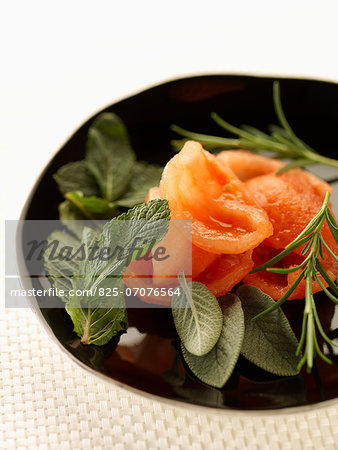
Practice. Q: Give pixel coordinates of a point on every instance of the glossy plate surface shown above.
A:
(149, 362)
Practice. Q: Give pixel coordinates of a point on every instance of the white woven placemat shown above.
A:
(48, 402)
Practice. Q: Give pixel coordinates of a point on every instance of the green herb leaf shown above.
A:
(109, 176)
(97, 325)
(268, 342)
(92, 207)
(60, 269)
(94, 318)
(77, 211)
(332, 224)
(216, 367)
(72, 218)
(75, 176)
(144, 177)
(197, 316)
(311, 268)
(68, 211)
(109, 156)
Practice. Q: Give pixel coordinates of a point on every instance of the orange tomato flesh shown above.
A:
(225, 217)
(276, 285)
(247, 165)
(290, 200)
(242, 215)
(226, 271)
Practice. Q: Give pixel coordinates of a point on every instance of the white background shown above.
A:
(62, 61)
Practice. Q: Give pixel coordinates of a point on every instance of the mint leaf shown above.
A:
(153, 211)
(109, 156)
(99, 317)
(268, 342)
(92, 207)
(93, 322)
(74, 208)
(96, 325)
(144, 177)
(75, 176)
(78, 210)
(60, 269)
(72, 218)
(197, 316)
(109, 175)
(89, 205)
(68, 211)
(216, 367)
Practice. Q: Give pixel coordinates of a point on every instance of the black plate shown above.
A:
(152, 366)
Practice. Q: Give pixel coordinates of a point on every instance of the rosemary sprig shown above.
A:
(281, 142)
(312, 268)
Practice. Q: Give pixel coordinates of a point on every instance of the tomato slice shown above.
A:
(248, 165)
(142, 285)
(242, 215)
(184, 256)
(226, 271)
(225, 218)
(291, 200)
(276, 285)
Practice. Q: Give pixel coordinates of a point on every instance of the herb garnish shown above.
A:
(109, 178)
(109, 156)
(270, 343)
(97, 317)
(213, 332)
(197, 316)
(216, 367)
(312, 268)
(281, 142)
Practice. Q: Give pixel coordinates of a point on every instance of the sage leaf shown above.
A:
(269, 342)
(216, 367)
(144, 177)
(98, 318)
(75, 176)
(197, 316)
(109, 156)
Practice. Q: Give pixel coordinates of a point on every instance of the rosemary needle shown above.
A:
(281, 142)
(312, 268)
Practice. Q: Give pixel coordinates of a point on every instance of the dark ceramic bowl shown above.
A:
(147, 367)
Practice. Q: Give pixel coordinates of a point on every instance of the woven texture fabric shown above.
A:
(48, 402)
